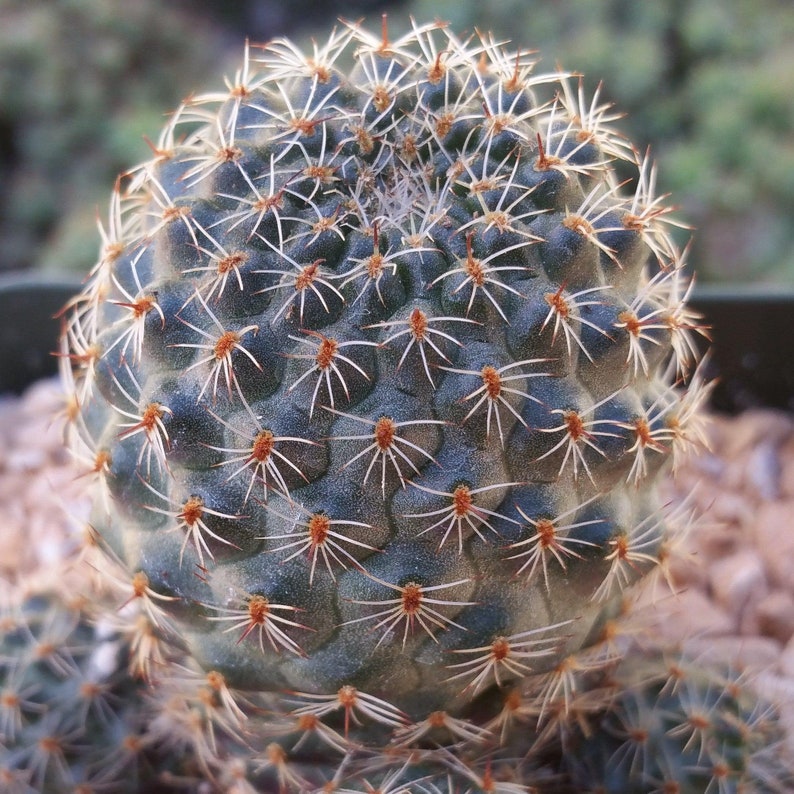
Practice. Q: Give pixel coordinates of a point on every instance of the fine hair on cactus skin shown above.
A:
(378, 373)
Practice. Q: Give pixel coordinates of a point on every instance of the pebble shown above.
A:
(774, 615)
(707, 464)
(688, 613)
(786, 453)
(772, 532)
(717, 539)
(26, 459)
(686, 572)
(38, 488)
(787, 660)
(763, 471)
(729, 506)
(737, 580)
(740, 435)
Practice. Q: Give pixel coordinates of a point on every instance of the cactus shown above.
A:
(678, 725)
(76, 718)
(69, 713)
(375, 377)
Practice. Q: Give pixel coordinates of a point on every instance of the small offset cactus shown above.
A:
(678, 725)
(70, 718)
(375, 376)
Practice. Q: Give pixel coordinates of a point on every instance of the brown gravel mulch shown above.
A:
(734, 575)
(42, 500)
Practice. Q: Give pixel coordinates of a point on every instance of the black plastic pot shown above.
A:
(29, 327)
(752, 353)
(753, 346)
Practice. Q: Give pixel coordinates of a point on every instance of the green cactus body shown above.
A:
(678, 725)
(374, 375)
(69, 713)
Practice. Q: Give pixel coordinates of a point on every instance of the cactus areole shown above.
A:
(376, 372)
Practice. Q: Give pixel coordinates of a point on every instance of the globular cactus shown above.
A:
(70, 715)
(677, 724)
(375, 375)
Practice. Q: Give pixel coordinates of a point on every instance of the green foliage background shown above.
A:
(81, 82)
(707, 82)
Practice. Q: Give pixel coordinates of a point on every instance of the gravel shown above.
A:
(735, 574)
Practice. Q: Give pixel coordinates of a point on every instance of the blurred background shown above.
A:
(707, 82)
